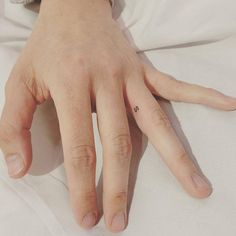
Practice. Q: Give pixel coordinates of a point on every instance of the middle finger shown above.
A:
(116, 142)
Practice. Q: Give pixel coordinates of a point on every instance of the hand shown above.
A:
(78, 56)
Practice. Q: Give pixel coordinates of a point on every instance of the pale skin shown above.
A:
(78, 56)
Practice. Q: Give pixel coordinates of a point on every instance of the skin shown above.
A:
(78, 56)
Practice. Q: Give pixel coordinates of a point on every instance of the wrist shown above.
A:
(76, 8)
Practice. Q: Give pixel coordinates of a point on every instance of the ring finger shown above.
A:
(116, 142)
(152, 120)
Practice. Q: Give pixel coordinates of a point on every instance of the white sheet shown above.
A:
(159, 205)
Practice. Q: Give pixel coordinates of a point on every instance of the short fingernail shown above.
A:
(200, 182)
(118, 222)
(15, 164)
(89, 220)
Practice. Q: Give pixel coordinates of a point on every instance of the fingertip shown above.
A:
(89, 220)
(18, 176)
(203, 193)
(202, 186)
(230, 103)
(84, 208)
(118, 223)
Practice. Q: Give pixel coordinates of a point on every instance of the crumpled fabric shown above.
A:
(193, 41)
(29, 1)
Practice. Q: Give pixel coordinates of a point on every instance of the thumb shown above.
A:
(15, 124)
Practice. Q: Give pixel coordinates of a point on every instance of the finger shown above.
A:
(116, 142)
(15, 124)
(75, 120)
(169, 88)
(154, 123)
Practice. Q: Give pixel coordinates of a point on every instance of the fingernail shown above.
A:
(15, 164)
(118, 222)
(200, 181)
(89, 220)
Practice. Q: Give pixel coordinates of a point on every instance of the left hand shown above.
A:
(78, 56)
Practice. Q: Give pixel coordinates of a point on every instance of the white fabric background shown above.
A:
(199, 46)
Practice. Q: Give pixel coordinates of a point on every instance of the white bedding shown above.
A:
(199, 47)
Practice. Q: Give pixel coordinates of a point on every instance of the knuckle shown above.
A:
(114, 72)
(120, 197)
(87, 196)
(108, 86)
(82, 201)
(178, 87)
(11, 84)
(90, 194)
(122, 146)
(74, 68)
(159, 118)
(183, 158)
(36, 90)
(82, 157)
(112, 69)
(70, 57)
(7, 132)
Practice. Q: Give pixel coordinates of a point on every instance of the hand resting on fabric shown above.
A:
(78, 57)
